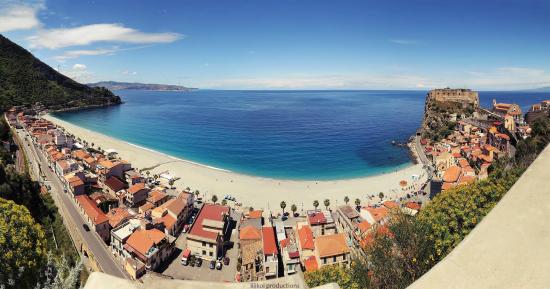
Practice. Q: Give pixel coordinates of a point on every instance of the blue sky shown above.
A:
(281, 44)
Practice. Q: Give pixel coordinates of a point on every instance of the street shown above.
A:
(99, 249)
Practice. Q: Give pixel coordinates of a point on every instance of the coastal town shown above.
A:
(148, 226)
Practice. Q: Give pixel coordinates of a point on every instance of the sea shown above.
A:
(298, 135)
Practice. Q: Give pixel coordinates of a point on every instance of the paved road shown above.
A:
(420, 151)
(100, 251)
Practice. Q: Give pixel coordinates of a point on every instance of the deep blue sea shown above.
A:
(311, 135)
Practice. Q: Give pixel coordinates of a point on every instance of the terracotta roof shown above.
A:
(107, 164)
(466, 180)
(117, 215)
(143, 240)
(255, 214)
(176, 206)
(378, 213)
(363, 226)
(136, 188)
(463, 163)
(213, 212)
(91, 210)
(80, 154)
(311, 264)
(250, 233)
(156, 196)
(316, 218)
(270, 244)
(447, 186)
(390, 204)
(167, 220)
(331, 245)
(451, 174)
(349, 212)
(413, 205)
(146, 207)
(305, 235)
(114, 184)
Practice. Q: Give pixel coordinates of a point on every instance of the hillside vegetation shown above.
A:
(25, 80)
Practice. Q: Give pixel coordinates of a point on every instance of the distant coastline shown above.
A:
(115, 85)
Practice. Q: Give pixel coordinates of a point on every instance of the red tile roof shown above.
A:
(305, 235)
(117, 215)
(311, 264)
(390, 204)
(136, 188)
(213, 212)
(142, 240)
(378, 213)
(413, 205)
(270, 244)
(114, 184)
(451, 174)
(316, 218)
(255, 214)
(331, 245)
(91, 210)
(250, 233)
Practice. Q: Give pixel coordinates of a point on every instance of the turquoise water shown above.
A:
(311, 135)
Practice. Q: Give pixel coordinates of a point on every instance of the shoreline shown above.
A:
(255, 191)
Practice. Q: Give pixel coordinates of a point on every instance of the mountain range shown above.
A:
(114, 85)
(25, 80)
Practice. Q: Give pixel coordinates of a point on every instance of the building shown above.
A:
(133, 177)
(306, 243)
(207, 235)
(332, 249)
(94, 216)
(271, 261)
(512, 109)
(117, 216)
(157, 198)
(113, 185)
(290, 254)
(374, 215)
(251, 250)
(136, 195)
(151, 247)
(321, 222)
(462, 96)
(121, 233)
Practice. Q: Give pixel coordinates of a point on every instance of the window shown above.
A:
(344, 257)
(334, 259)
(204, 252)
(204, 244)
(211, 254)
(211, 245)
(324, 260)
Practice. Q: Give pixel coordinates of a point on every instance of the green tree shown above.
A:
(326, 203)
(22, 246)
(315, 204)
(224, 202)
(293, 208)
(381, 195)
(283, 206)
(330, 274)
(357, 202)
(346, 200)
(214, 198)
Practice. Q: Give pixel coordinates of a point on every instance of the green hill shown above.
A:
(26, 80)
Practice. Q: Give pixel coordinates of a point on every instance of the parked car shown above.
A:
(198, 262)
(192, 260)
(226, 261)
(219, 265)
(212, 265)
(85, 226)
(185, 228)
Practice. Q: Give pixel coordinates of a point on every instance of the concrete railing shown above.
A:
(510, 247)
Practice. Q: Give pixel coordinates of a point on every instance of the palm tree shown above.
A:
(148, 173)
(188, 189)
(293, 208)
(171, 182)
(326, 203)
(92, 144)
(346, 200)
(224, 202)
(283, 206)
(381, 196)
(197, 193)
(357, 202)
(214, 198)
(316, 204)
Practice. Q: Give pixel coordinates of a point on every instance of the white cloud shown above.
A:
(79, 66)
(90, 52)
(18, 17)
(89, 34)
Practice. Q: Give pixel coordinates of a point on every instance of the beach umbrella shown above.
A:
(403, 183)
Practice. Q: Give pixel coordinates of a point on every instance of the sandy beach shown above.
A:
(258, 192)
